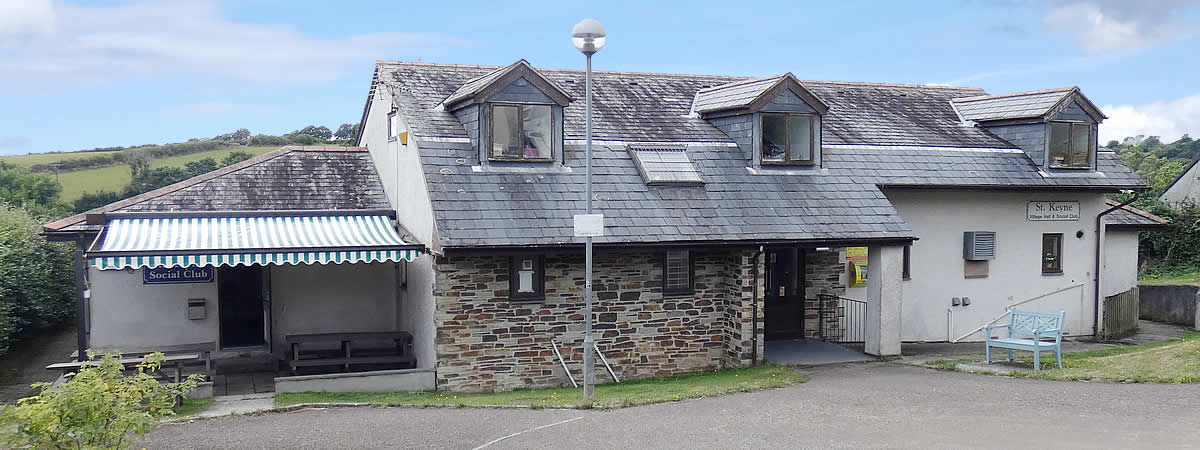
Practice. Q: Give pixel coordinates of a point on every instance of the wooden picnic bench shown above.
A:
(205, 349)
(346, 355)
(1036, 332)
(176, 360)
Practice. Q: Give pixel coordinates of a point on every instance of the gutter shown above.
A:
(1096, 276)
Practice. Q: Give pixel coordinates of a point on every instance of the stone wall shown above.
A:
(822, 276)
(485, 342)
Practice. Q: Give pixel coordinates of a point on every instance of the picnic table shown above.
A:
(176, 360)
(205, 349)
(346, 354)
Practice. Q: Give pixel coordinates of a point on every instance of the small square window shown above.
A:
(526, 278)
(1052, 253)
(1071, 145)
(393, 125)
(678, 273)
(788, 139)
(520, 132)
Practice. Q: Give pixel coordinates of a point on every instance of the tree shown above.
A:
(234, 158)
(303, 139)
(238, 135)
(346, 131)
(145, 179)
(321, 132)
(200, 167)
(20, 187)
(92, 200)
(99, 407)
(37, 289)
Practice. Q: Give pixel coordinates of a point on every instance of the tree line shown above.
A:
(1175, 250)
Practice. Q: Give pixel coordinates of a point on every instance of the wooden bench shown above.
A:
(205, 349)
(176, 360)
(346, 355)
(1036, 332)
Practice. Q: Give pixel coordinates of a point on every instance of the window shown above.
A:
(1052, 253)
(677, 273)
(906, 268)
(1071, 145)
(526, 279)
(520, 132)
(393, 125)
(787, 139)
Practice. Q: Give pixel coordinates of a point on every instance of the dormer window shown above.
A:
(1071, 145)
(787, 139)
(520, 132)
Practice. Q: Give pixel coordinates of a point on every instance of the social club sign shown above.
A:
(169, 275)
(1052, 211)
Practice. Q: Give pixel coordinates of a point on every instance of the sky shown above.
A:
(86, 74)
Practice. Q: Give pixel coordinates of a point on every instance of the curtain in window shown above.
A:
(536, 126)
(1081, 135)
(801, 138)
(505, 123)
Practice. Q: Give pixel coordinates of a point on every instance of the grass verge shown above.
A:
(193, 406)
(1171, 361)
(1171, 278)
(613, 395)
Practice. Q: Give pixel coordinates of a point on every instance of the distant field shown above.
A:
(116, 177)
(45, 158)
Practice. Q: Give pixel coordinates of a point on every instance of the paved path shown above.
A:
(855, 405)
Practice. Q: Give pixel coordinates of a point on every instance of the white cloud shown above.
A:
(42, 40)
(1168, 120)
(1102, 25)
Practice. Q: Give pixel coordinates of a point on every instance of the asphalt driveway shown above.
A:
(856, 405)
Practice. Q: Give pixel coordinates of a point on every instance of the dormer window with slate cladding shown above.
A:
(1055, 127)
(775, 120)
(512, 115)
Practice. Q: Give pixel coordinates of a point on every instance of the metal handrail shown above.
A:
(851, 317)
(1014, 305)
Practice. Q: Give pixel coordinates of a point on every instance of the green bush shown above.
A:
(37, 285)
(98, 407)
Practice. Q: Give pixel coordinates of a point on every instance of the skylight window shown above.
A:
(661, 165)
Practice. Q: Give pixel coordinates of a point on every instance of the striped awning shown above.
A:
(248, 240)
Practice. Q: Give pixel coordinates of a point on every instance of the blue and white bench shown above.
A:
(1030, 331)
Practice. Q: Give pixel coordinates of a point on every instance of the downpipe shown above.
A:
(1096, 275)
(754, 313)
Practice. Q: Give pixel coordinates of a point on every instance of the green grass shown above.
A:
(116, 177)
(193, 406)
(1171, 361)
(1171, 278)
(34, 159)
(629, 393)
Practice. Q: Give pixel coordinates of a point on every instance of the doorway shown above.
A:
(240, 296)
(783, 302)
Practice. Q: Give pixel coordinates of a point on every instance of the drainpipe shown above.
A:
(754, 316)
(1099, 243)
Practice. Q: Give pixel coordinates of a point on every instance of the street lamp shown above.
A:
(588, 37)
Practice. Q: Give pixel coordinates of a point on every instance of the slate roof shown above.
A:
(873, 135)
(660, 164)
(1129, 217)
(291, 178)
(733, 95)
(1019, 105)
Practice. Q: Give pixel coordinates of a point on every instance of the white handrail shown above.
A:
(1014, 305)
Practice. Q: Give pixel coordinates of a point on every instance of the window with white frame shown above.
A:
(393, 125)
(678, 273)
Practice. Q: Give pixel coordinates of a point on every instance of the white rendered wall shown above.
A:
(416, 311)
(125, 312)
(400, 170)
(1185, 189)
(939, 219)
(331, 298)
(1120, 262)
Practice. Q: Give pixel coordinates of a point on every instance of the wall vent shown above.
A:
(979, 245)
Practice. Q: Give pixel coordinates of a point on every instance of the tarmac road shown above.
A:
(853, 405)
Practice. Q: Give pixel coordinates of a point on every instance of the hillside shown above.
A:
(115, 177)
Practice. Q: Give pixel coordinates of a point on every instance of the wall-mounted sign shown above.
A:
(856, 253)
(589, 225)
(168, 275)
(1052, 211)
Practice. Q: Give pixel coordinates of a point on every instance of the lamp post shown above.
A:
(588, 37)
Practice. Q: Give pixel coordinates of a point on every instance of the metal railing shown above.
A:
(842, 320)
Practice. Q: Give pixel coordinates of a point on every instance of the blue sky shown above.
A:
(84, 74)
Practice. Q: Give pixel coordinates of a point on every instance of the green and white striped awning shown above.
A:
(248, 240)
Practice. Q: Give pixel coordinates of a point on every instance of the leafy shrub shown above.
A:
(92, 200)
(98, 407)
(37, 289)
(234, 158)
(303, 139)
(265, 140)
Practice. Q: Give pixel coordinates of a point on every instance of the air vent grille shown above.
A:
(979, 245)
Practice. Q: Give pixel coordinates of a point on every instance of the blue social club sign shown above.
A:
(167, 275)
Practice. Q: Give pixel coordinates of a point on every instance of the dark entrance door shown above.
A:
(783, 301)
(239, 291)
